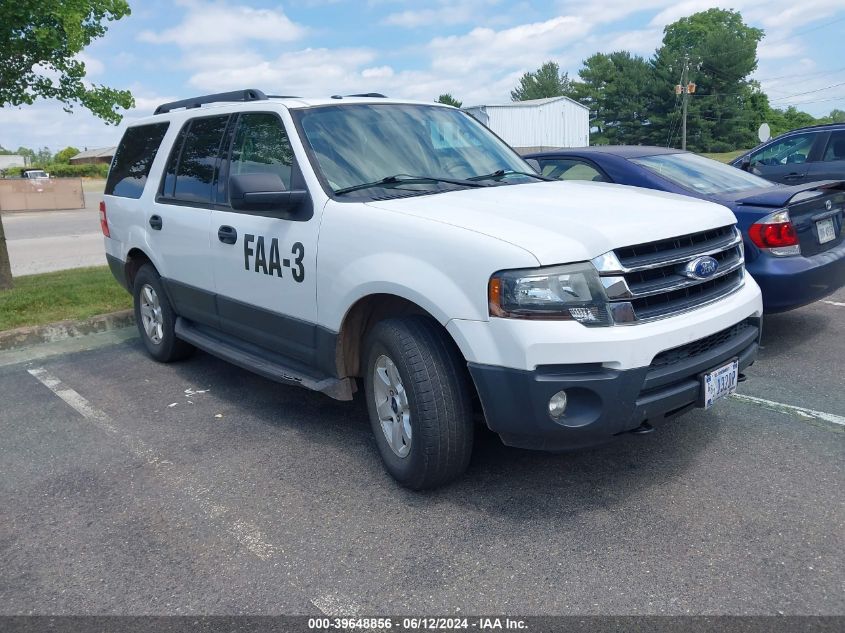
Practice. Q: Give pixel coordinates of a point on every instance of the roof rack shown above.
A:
(250, 94)
(370, 95)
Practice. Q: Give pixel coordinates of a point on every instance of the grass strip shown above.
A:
(74, 294)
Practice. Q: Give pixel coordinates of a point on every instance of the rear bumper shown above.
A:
(118, 270)
(604, 402)
(791, 282)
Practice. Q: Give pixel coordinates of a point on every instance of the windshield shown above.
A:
(700, 174)
(37, 174)
(382, 145)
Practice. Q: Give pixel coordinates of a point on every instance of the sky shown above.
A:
(474, 49)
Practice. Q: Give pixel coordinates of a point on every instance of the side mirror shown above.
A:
(535, 165)
(745, 165)
(264, 194)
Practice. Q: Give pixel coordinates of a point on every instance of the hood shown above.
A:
(561, 222)
(779, 195)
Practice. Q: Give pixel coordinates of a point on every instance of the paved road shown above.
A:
(133, 487)
(43, 241)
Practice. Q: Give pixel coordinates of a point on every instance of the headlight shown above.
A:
(571, 292)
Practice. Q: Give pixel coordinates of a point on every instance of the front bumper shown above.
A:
(604, 402)
(791, 282)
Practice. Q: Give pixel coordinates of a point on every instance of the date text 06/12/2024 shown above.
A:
(418, 623)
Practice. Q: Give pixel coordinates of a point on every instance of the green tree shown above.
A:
(784, 120)
(25, 152)
(40, 41)
(39, 44)
(42, 156)
(546, 81)
(449, 100)
(836, 116)
(64, 156)
(720, 51)
(617, 89)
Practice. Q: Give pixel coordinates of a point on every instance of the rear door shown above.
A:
(265, 266)
(831, 165)
(178, 223)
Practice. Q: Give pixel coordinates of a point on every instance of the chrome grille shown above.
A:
(647, 281)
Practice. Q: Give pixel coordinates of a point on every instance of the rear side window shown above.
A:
(835, 147)
(571, 169)
(191, 169)
(133, 160)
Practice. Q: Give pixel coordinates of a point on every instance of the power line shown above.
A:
(798, 94)
(840, 97)
(812, 74)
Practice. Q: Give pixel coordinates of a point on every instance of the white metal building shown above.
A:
(537, 124)
(11, 160)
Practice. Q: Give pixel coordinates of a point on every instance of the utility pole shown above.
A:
(685, 89)
(685, 97)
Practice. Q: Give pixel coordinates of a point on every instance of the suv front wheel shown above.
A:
(419, 401)
(156, 319)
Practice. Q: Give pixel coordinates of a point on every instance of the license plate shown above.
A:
(826, 231)
(720, 382)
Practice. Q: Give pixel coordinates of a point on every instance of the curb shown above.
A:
(52, 332)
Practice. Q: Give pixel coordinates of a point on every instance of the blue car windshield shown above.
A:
(700, 174)
(366, 144)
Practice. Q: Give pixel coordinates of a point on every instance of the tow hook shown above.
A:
(741, 378)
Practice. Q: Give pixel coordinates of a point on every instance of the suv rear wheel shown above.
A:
(156, 319)
(419, 401)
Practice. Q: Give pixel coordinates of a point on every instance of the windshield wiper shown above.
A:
(501, 173)
(405, 179)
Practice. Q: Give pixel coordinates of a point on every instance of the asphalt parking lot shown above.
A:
(128, 487)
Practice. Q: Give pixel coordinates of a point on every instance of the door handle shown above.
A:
(793, 176)
(156, 222)
(227, 234)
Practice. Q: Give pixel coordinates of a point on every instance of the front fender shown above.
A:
(442, 268)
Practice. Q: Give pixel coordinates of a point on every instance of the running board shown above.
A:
(264, 363)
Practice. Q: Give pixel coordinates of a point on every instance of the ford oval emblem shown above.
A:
(701, 268)
(828, 205)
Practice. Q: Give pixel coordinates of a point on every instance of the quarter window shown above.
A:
(133, 160)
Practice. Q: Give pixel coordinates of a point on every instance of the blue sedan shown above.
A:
(793, 235)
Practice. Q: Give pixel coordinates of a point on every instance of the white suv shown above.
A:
(399, 245)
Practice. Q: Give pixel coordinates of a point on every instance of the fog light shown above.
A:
(557, 405)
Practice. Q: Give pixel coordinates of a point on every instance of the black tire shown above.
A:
(169, 348)
(439, 398)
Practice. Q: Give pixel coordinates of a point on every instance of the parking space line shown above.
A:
(245, 533)
(834, 303)
(788, 408)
